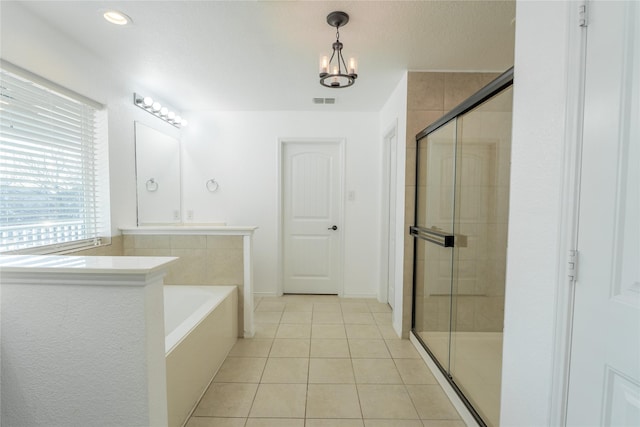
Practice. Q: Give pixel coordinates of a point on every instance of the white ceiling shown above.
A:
(263, 55)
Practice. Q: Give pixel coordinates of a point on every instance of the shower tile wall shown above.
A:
(429, 97)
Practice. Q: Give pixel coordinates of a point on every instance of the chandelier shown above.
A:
(334, 72)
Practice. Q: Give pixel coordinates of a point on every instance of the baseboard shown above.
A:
(464, 413)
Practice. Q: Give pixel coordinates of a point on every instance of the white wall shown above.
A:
(240, 150)
(30, 43)
(395, 111)
(540, 88)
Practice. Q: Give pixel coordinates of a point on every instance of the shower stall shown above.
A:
(460, 238)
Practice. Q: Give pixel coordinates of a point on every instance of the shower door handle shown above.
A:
(434, 236)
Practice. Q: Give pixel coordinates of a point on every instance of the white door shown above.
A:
(312, 209)
(391, 140)
(604, 385)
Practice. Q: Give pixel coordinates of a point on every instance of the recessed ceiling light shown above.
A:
(117, 18)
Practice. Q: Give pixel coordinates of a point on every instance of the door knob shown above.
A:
(334, 228)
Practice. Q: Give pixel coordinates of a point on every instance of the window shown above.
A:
(49, 169)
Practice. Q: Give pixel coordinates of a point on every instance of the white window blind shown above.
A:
(48, 168)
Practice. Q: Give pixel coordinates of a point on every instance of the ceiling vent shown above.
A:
(324, 100)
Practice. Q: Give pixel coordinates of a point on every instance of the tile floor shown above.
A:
(322, 361)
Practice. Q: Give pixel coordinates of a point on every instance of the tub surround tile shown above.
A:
(188, 242)
(290, 347)
(333, 401)
(279, 401)
(386, 401)
(227, 400)
(241, 370)
(224, 242)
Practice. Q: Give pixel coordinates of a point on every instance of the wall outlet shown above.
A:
(190, 215)
(176, 215)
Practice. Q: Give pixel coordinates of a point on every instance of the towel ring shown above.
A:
(212, 185)
(152, 185)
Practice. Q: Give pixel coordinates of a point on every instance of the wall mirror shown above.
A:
(157, 176)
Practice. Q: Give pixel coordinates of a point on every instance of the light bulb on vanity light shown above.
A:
(147, 101)
(183, 122)
(164, 111)
(171, 115)
(177, 120)
(156, 106)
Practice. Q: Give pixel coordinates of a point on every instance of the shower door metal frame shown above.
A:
(493, 88)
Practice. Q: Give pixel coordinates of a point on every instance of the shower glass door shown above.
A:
(483, 153)
(433, 255)
(460, 232)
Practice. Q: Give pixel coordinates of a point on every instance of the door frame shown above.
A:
(282, 142)
(386, 257)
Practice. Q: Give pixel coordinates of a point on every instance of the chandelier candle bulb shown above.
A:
(353, 66)
(324, 65)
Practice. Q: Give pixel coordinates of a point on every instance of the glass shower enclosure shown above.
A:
(460, 238)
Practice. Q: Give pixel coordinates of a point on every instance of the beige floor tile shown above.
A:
(328, 331)
(336, 348)
(265, 330)
(253, 347)
(333, 401)
(376, 371)
(392, 423)
(402, 349)
(215, 422)
(358, 318)
(290, 370)
(382, 318)
(293, 331)
(328, 317)
(298, 307)
(432, 403)
(355, 307)
(296, 317)
(227, 400)
(443, 423)
(279, 401)
(290, 347)
(369, 349)
(330, 371)
(386, 402)
(240, 370)
(267, 316)
(388, 333)
(328, 422)
(379, 307)
(363, 331)
(270, 306)
(414, 371)
(326, 307)
(275, 422)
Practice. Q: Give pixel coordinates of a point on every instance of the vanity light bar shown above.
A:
(154, 107)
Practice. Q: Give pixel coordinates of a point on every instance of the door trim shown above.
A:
(567, 238)
(385, 257)
(282, 142)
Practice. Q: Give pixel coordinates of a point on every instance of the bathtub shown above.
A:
(201, 326)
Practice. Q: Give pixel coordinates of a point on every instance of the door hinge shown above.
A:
(572, 265)
(583, 20)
